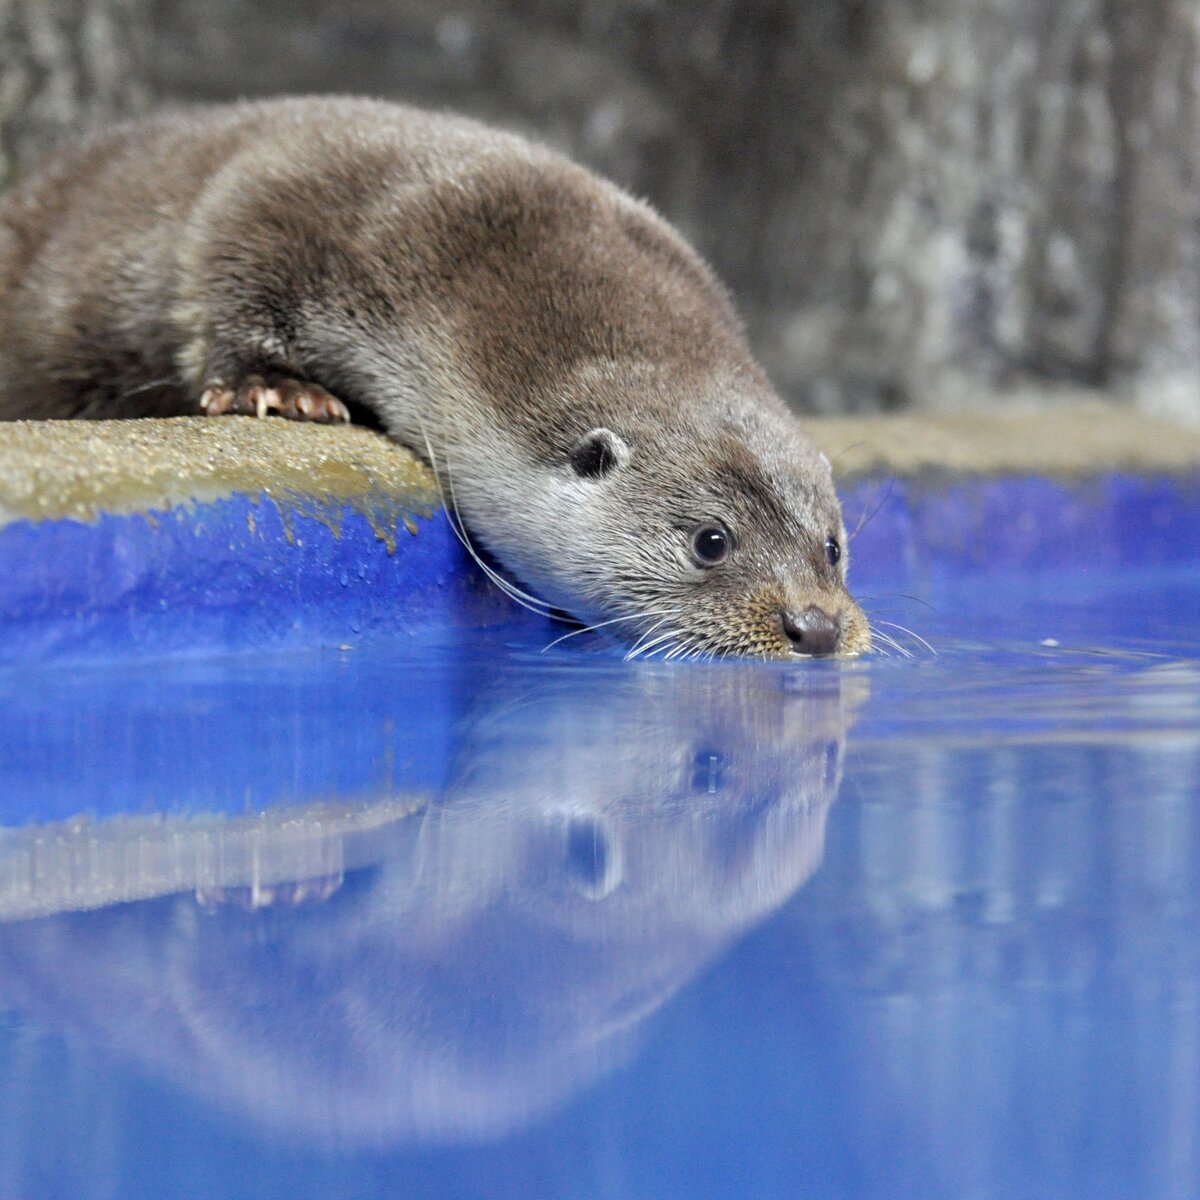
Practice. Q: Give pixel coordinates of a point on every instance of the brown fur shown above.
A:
(488, 300)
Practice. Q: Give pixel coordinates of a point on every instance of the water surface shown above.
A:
(468, 920)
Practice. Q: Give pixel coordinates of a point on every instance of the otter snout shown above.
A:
(812, 631)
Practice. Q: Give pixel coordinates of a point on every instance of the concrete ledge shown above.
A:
(80, 470)
(1068, 444)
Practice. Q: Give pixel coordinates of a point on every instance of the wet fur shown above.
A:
(488, 300)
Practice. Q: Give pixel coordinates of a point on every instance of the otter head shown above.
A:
(707, 525)
(621, 453)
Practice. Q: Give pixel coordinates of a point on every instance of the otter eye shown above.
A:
(710, 545)
(833, 550)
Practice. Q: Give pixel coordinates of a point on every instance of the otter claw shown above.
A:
(263, 401)
(311, 402)
(216, 400)
(295, 399)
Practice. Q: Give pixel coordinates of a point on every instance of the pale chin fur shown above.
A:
(544, 530)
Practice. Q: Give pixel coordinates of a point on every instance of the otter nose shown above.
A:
(812, 631)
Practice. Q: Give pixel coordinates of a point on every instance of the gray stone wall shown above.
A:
(66, 64)
(938, 203)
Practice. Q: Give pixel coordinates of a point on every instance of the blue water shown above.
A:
(468, 920)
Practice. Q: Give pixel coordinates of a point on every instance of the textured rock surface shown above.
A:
(943, 203)
(67, 64)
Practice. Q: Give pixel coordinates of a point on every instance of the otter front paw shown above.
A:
(262, 396)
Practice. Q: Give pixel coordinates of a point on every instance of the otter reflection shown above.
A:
(601, 838)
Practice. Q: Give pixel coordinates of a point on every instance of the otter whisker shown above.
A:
(638, 616)
(649, 649)
(105, 406)
(680, 650)
(645, 646)
(915, 636)
(836, 464)
(897, 596)
(450, 504)
(640, 644)
(643, 643)
(506, 585)
(147, 387)
(887, 639)
(866, 516)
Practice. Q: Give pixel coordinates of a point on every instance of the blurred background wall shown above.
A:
(931, 203)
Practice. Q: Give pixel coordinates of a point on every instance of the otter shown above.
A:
(567, 364)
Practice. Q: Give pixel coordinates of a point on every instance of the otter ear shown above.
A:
(598, 453)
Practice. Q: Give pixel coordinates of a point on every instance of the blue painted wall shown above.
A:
(232, 575)
(228, 576)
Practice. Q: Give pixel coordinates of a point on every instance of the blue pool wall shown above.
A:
(232, 575)
(242, 574)
(930, 529)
